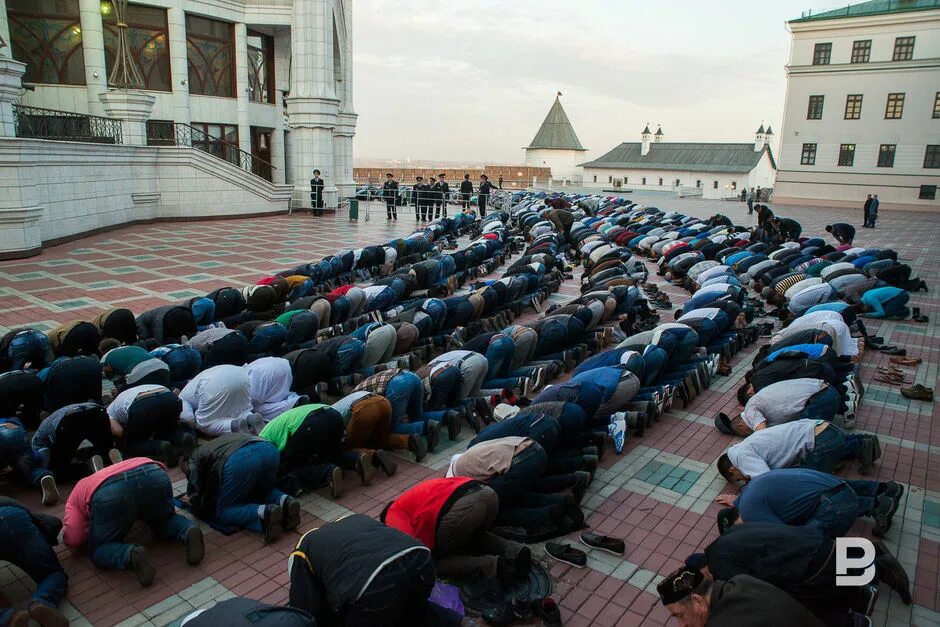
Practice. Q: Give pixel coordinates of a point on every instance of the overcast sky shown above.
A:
(473, 80)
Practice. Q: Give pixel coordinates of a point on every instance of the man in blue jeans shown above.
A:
(102, 509)
(26, 541)
(17, 454)
(885, 302)
(805, 497)
(815, 444)
(231, 481)
(405, 391)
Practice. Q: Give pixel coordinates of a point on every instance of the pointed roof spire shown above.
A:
(769, 131)
(659, 131)
(646, 129)
(556, 131)
(760, 131)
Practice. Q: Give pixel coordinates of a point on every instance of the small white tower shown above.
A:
(646, 138)
(760, 138)
(658, 137)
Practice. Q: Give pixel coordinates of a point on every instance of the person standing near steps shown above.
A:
(316, 193)
(466, 191)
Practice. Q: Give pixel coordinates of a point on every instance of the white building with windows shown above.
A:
(862, 109)
(232, 106)
(709, 170)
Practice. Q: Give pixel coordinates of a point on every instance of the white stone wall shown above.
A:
(826, 182)
(563, 163)
(633, 180)
(71, 188)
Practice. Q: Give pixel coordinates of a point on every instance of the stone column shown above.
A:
(11, 82)
(312, 105)
(96, 72)
(346, 120)
(133, 108)
(241, 87)
(5, 30)
(277, 148)
(179, 67)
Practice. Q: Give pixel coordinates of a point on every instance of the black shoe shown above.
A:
(195, 546)
(890, 571)
(509, 612)
(893, 489)
(140, 564)
(548, 611)
(418, 446)
(432, 430)
(365, 468)
(866, 455)
(452, 420)
(271, 523)
(291, 514)
(582, 481)
(884, 507)
(336, 482)
(383, 459)
(566, 553)
(604, 543)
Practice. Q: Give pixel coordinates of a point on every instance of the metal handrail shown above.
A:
(186, 135)
(37, 123)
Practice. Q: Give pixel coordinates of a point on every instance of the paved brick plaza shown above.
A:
(658, 495)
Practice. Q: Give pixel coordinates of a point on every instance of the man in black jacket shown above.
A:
(798, 560)
(867, 213)
(484, 193)
(695, 600)
(26, 541)
(232, 479)
(390, 194)
(316, 193)
(357, 571)
(422, 198)
(443, 191)
(466, 190)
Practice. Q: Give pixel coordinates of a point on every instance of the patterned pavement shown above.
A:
(659, 495)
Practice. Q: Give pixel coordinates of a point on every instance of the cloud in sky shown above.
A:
(472, 81)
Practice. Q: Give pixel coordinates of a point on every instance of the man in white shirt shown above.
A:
(830, 322)
(783, 402)
(815, 444)
(148, 418)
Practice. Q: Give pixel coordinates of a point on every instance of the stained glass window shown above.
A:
(147, 38)
(261, 68)
(46, 35)
(210, 52)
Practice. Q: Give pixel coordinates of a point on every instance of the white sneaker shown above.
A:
(50, 493)
(503, 411)
(618, 431)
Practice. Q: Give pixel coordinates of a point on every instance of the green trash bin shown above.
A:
(353, 208)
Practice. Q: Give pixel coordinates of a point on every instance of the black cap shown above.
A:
(696, 561)
(726, 519)
(723, 423)
(679, 584)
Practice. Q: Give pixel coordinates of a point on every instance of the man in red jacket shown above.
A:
(452, 517)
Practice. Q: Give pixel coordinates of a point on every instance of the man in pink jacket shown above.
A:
(104, 506)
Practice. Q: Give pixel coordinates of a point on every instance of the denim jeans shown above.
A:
(248, 480)
(15, 452)
(822, 405)
(406, 394)
(654, 360)
(837, 509)
(499, 355)
(832, 446)
(143, 493)
(445, 389)
(22, 544)
(349, 356)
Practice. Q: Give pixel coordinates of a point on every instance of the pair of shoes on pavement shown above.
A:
(578, 558)
(918, 392)
(524, 611)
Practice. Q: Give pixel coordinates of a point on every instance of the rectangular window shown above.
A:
(815, 109)
(610, 179)
(822, 53)
(678, 184)
(853, 107)
(932, 157)
(846, 154)
(734, 184)
(261, 68)
(895, 107)
(808, 157)
(625, 180)
(220, 140)
(861, 51)
(936, 106)
(886, 155)
(928, 192)
(698, 183)
(161, 133)
(644, 180)
(210, 54)
(46, 35)
(595, 178)
(660, 182)
(715, 185)
(903, 49)
(147, 36)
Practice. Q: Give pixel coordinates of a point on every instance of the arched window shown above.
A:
(261, 68)
(46, 35)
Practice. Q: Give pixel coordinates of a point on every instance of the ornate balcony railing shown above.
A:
(36, 123)
(174, 134)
